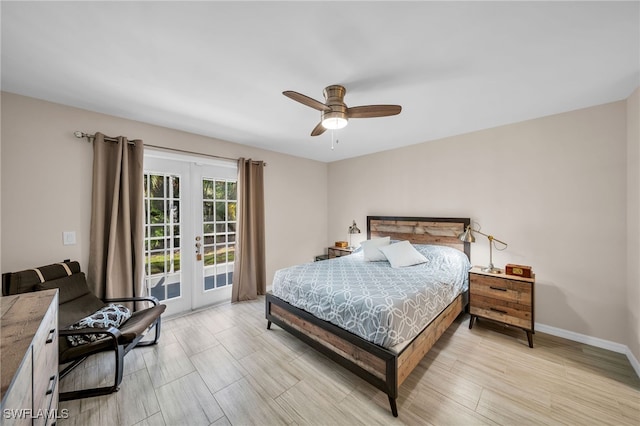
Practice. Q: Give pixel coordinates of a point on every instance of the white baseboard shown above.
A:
(593, 341)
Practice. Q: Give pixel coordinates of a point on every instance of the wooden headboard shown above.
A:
(442, 231)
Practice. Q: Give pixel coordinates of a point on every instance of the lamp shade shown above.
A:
(353, 229)
(467, 236)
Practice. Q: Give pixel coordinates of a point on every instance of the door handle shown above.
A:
(198, 248)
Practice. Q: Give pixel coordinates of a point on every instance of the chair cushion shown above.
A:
(71, 287)
(112, 315)
(68, 353)
(140, 321)
(75, 299)
(27, 280)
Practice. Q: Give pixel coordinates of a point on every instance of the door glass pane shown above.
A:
(207, 211)
(156, 188)
(207, 189)
(162, 231)
(218, 231)
(157, 231)
(231, 211)
(156, 208)
(209, 256)
(221, 211)
(176, 187)
(220, 190)
(231, 190)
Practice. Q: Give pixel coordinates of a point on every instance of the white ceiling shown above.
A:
(219, 68)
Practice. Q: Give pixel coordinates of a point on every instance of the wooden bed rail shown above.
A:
(381, 367)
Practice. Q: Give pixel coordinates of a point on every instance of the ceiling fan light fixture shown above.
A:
(334, 120)
(334, 123)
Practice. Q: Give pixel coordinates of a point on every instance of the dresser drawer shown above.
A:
(45, 364)
(19, 401)
(53, 410)
(45, 389)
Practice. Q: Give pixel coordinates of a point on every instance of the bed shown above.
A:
(387, 358)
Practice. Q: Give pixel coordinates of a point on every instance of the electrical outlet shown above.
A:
(69, 238)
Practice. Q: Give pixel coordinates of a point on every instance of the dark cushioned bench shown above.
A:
(76, 301)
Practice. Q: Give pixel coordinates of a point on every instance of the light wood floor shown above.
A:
(221, 366)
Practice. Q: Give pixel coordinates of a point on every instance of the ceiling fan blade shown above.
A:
(318, 130)
(305, 100)
(369, 111)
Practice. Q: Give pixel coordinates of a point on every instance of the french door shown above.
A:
(190, 229)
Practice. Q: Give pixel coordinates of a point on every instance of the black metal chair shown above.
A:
(76, 301)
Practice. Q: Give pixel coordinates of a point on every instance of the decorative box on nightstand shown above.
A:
(338, 251)
(504, 298)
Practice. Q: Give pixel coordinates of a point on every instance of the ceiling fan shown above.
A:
(335, 113)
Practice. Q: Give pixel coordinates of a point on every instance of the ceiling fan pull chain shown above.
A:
(331, 140)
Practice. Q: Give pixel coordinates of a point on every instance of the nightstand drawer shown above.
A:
(502, 289)
(508, 313)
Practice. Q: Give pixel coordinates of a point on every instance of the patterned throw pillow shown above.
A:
(110, 316)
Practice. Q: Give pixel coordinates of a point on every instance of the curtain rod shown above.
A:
(79, 134)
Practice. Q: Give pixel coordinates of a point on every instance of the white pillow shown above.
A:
(402, 254)
(371, 249)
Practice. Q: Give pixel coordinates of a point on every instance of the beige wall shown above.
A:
(554, 188)
(633, 221)
(46, 181)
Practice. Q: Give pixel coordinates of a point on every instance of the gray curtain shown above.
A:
(116, 253)
(249, 273)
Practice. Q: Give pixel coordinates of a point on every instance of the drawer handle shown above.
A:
(50, 337)
(52, 385)
(499, 310)
(497, 288)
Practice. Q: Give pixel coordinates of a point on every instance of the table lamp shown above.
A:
(468, 237)
(353, 229)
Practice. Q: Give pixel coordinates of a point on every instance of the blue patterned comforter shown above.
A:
(381, 304)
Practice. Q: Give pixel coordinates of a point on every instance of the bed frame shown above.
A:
(383, 368)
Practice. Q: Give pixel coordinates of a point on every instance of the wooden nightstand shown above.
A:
(338, 251)
(504, 298)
